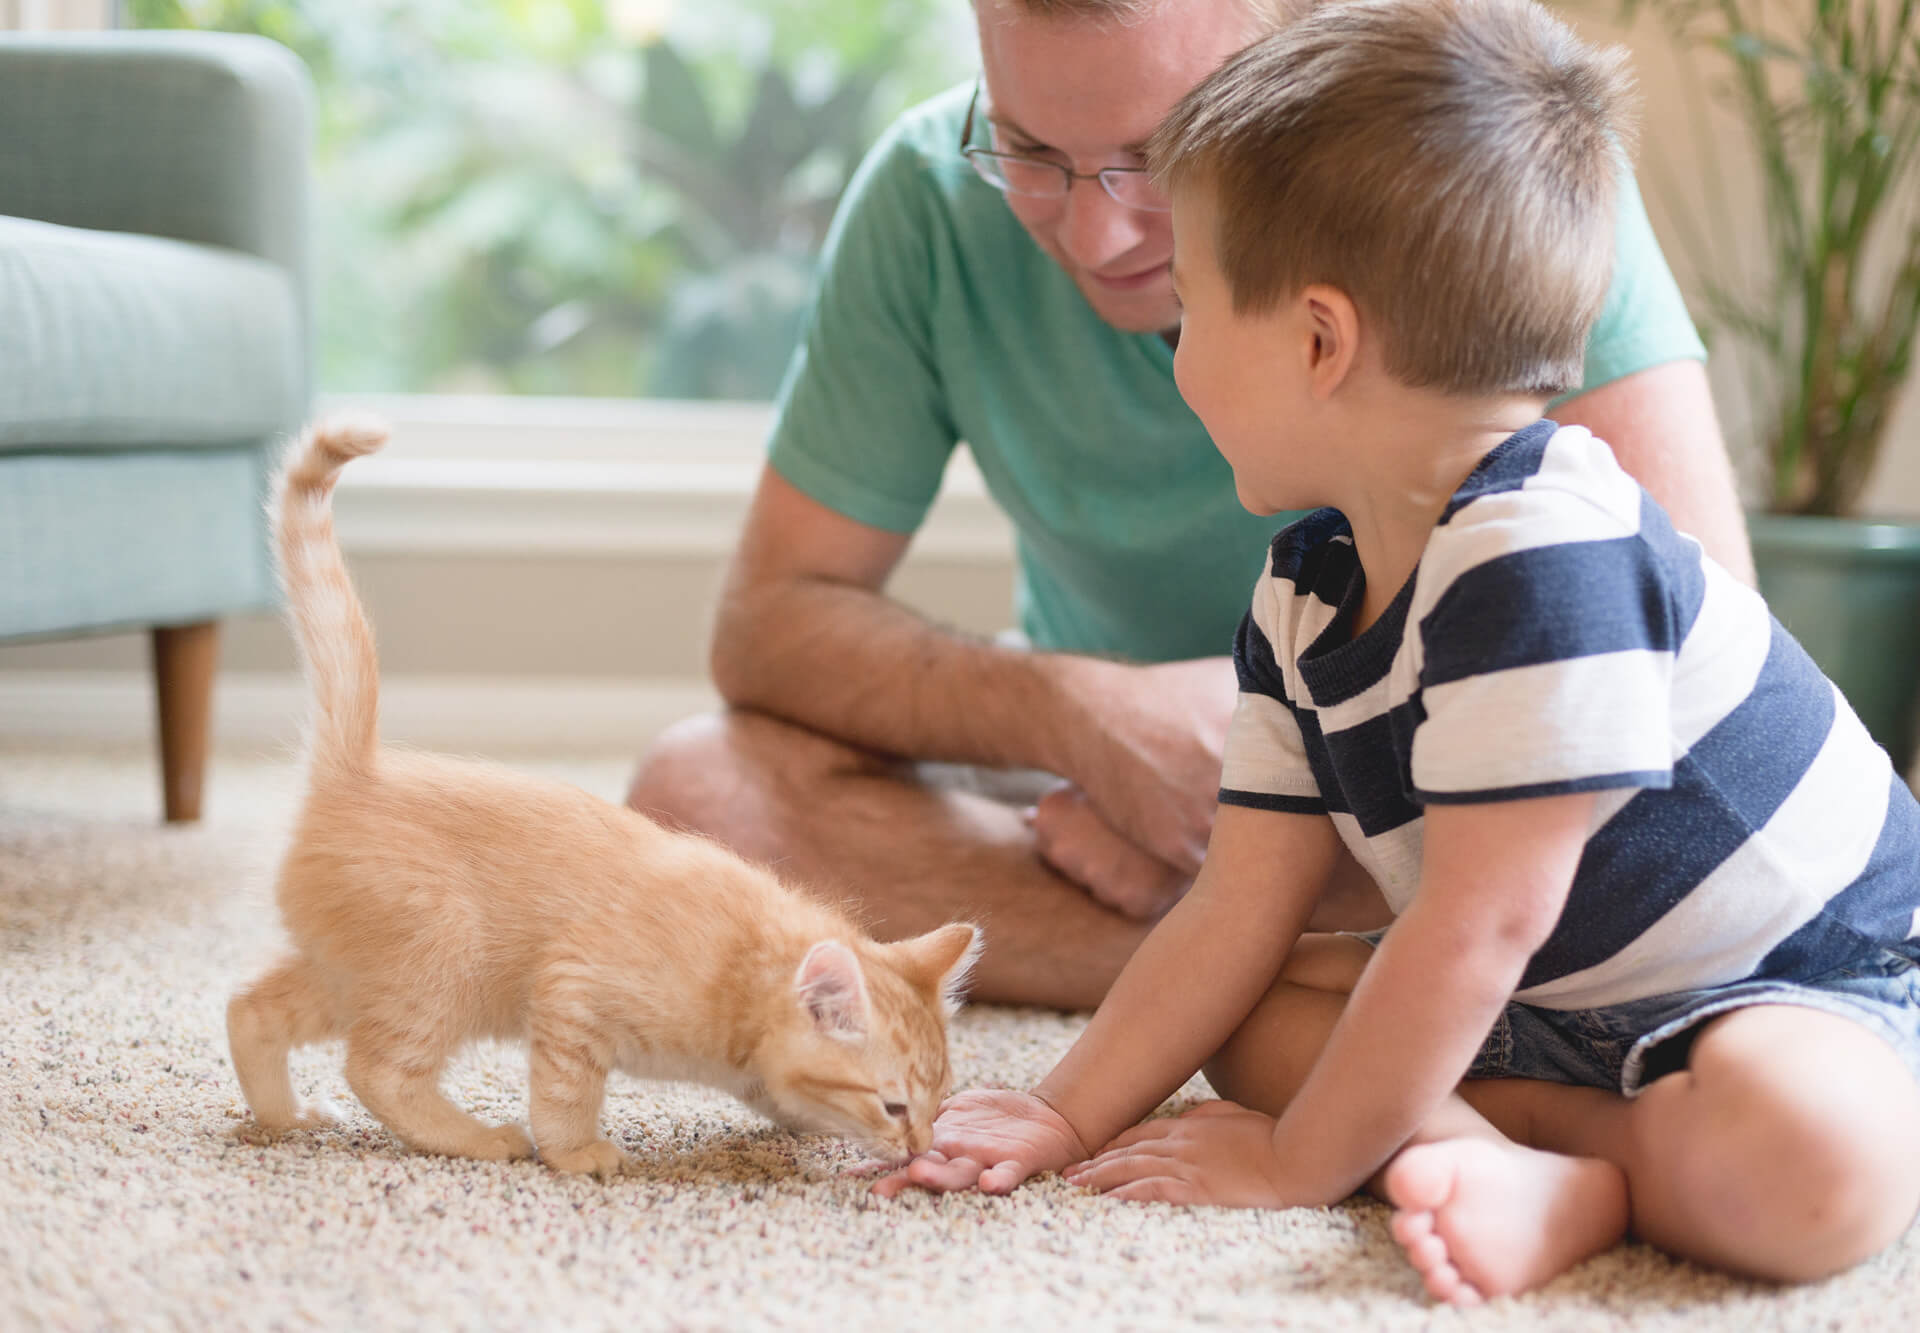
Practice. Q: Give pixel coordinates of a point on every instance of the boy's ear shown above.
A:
(1333, 329)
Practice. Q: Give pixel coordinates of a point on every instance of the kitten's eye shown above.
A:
(898, 1110)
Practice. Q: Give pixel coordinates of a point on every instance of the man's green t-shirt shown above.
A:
(937, 319)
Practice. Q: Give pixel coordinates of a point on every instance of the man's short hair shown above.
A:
(1450, 164)
(1126, 11)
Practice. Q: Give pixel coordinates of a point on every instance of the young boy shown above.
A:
(1654, 964)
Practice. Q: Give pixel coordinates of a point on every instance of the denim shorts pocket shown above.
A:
(1495, 1057)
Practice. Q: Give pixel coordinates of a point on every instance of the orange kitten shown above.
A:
(434, 901)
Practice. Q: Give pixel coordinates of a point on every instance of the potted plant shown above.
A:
(1827, 96)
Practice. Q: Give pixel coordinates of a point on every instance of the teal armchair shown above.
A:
(154, 344)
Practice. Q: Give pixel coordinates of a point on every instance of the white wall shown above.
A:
(40, 15)
(1688, 143)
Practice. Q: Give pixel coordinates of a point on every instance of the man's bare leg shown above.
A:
(1788, 1149)
(910, 856)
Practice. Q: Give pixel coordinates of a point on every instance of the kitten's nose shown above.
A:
(920, 1138)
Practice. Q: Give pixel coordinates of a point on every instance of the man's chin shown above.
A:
(1132, 312)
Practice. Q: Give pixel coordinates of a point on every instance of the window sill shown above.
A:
(469, 474)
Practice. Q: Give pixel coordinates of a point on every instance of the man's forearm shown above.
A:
(859, 666)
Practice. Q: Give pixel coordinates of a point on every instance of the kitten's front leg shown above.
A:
(569, 1085)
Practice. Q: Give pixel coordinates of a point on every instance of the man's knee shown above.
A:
(705, 772)
(675, 773)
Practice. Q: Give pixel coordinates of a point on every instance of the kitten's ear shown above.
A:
(941, 960)
(832, 989)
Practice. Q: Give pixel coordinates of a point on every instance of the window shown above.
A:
(582, 197)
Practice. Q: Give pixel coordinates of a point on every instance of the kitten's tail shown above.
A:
(336, 643)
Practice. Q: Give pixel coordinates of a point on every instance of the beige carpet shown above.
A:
(127, 1201)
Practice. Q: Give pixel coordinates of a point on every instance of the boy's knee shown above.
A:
(1268, 1057)
(1802, 1201)
(1803, 1170)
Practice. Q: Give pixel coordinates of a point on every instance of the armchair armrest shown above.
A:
(195, 136)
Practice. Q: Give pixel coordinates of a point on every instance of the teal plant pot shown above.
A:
(1849, 590)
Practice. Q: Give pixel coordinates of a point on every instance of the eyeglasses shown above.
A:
(1037, 178)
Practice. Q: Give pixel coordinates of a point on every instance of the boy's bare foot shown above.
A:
(1480, 1219)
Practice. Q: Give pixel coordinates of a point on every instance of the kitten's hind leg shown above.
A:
(400, 1083)
(284, 1009)
(569, 1086)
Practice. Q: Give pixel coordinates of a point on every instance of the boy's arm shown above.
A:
(1191, 983)
(1494, 880)
(1199, 974)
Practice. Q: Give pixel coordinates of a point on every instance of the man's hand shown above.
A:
(991, 1140)
(1218, 1153)
(1147, 752)
(1071, 837)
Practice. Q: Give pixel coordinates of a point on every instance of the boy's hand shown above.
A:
(990, 1140)
(1218, 1153)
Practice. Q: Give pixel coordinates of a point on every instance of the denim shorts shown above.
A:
(1627, 1046)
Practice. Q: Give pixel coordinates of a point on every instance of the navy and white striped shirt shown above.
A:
(1560, 636)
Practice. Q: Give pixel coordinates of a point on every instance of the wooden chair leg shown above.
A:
(184, 658)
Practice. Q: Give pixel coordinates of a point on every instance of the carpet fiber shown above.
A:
(127, 1200)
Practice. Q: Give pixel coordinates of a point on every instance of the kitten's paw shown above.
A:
(310, 1115)
(603, 1160)
(504, 1143)
(316, 1115)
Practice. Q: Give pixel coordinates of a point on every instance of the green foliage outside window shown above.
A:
(583, 196)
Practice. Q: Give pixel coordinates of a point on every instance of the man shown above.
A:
(1018, 297)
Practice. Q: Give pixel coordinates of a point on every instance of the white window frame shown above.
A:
(494, 474)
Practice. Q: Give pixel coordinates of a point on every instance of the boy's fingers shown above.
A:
(939, 1173)
(1220, 1107)
(1153, 1129)
(1126, 1176)
(889, 1186)
(1119, 1165)
(930, 1170)
(1004, 1178)
(1154, 1189)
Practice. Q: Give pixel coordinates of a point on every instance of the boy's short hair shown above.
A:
(1449, 164)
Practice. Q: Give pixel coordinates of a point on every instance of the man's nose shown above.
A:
(1096, 229)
